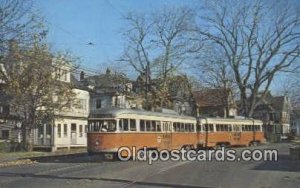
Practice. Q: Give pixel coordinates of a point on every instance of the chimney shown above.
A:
(81, 75)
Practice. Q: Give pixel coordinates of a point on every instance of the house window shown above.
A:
(59, 130)
(5, 134)
(48, 129)
(58, 73)
(98, 103)
(65, 75)
(118, 102)
(86, 130)
(65, 130)
(80, 131)
(41, 130)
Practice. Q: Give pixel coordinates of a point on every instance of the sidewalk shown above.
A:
(23, 158)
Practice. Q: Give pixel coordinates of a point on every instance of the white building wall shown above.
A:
(77, 115)
(75, 111)
(71, 138)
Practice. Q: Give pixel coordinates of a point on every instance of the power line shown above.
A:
(81, 39)
(113, 7)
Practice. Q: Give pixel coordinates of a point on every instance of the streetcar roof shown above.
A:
(115, 112)
(230, 120)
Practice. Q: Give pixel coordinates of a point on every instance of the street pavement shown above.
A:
(81, 170)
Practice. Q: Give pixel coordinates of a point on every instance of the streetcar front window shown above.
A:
(103, 126)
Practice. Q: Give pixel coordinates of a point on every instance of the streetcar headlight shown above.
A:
(97, 142)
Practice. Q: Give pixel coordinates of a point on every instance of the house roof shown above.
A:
(209, 97)
(77, 84)
(107, 83)
(278, 103)
(274, 103)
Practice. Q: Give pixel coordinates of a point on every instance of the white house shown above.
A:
(68, 129)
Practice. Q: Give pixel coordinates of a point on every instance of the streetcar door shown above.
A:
(236, 134)
(166, 140)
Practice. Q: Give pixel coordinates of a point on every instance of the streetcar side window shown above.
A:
(158, 126)
(96, 127)
(186, 127)
(168, 126)
(132, 125)
(153, 126)
(192, 127)
(181, 127)
(209, 127)
(226, 128)
(199, 127)
(176, 126)
(121, 125)
(236, 128)
(148, 125)
(111, 126)
(126, 125)
(142, 125)
(247, 128)
(189, 127)
(165, 126)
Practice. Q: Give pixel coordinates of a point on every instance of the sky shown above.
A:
(92, 29)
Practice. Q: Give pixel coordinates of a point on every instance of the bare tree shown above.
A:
(291, 88)
(159, 44)
(18, 22)
(31, 79)
(214, 72)
(259, 40)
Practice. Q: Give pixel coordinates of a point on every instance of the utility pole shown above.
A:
(147, 83)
